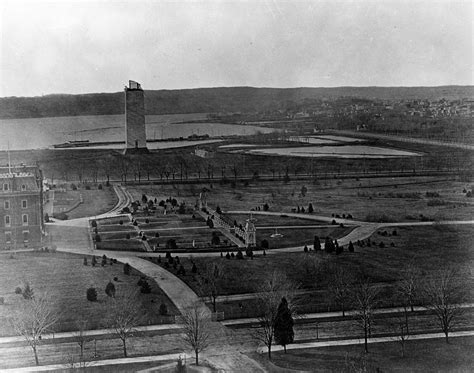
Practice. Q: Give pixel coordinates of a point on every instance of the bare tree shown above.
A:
(82, 324)
(123, 165)
(124, 316)
(35, 318)
(443, 294)
(269, 295)
(407, 288)
(365, 300)
(339, 287)
(400, 329)
(211, 280)
(196, 325)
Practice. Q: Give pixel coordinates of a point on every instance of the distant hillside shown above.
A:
(201, 100)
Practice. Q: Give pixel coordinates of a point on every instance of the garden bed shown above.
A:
(121, 245)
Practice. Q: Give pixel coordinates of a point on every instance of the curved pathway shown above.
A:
(180, 294)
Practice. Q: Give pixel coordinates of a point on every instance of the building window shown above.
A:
(24, 219)
(26, 236)
(5, 186)
(24, 204)
(8, 237)
(6, 204)
(23, 187)
(8, 222)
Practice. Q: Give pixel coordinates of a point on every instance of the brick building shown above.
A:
(21, 216)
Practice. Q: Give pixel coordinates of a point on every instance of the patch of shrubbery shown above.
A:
(163, 309)
(145, 287)
(91, 294)
(437, 202)
(60, 216)
(27, 292)
(110, 289)
(408, 195)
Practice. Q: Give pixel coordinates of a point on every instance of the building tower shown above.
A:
(21, 215)
(135, 119)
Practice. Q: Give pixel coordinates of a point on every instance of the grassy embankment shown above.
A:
(64, 278)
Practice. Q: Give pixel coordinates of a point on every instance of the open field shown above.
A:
(342, 151)
(262, 221)
(381, 199)
(300, 236)
(431, 355)
(428, 247)
(65, 279)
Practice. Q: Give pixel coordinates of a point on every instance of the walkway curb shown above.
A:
(356, 341)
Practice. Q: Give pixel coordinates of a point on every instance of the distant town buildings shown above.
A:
(135, 119)
(21, 212)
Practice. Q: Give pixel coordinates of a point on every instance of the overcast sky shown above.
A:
(96, 46)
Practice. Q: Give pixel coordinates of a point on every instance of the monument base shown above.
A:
(129, 151)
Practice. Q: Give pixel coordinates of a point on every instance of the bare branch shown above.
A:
(269, 294)
(125, 315)
(365, 301)
(36, 318)
(196, 328)
(443, 294)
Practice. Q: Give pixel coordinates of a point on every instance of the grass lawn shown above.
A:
(429, 247)
(300, 236)
(399, 199)
(95, 201)
(65, 279)
(430, 355)
(271, 220)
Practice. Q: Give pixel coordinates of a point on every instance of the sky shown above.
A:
(78, 46)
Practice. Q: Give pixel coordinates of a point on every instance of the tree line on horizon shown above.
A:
(206, 100)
